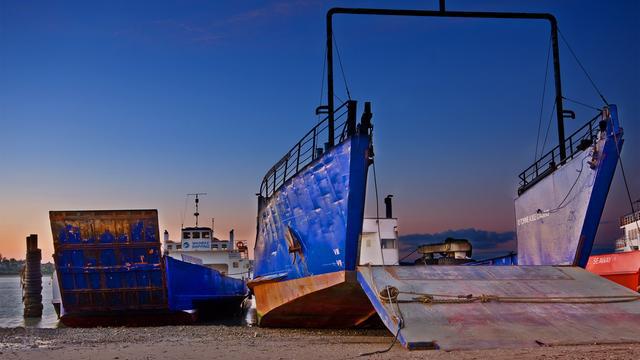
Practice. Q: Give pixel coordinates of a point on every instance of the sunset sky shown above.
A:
(121, 104)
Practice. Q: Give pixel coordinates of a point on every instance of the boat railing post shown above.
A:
(352, 108)
(313, 142)
(558, 86)
(571, 145)
(298, 159)
(286, 166)
(331, 118)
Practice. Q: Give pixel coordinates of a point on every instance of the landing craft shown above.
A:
(309, 269)
(109, 271)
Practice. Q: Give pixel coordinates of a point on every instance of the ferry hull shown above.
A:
(307, 246)
(558, 217)
(134, 318)
(333, 300)
(622, 268)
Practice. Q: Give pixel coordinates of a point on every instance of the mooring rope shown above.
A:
(390, 294)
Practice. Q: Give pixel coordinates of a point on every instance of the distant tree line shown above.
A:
(12, 266)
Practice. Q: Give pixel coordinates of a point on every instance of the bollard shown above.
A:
(32, 279)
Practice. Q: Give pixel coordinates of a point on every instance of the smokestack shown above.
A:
(166, 236)
(388, 206)
(231, 236)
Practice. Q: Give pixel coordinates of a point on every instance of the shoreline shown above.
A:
(241, 342)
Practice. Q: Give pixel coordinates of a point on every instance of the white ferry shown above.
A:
(198, 245)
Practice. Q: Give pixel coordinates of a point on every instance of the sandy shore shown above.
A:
(238, 342)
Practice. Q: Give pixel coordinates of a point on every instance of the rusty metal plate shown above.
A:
(496, 324)
(108, 260)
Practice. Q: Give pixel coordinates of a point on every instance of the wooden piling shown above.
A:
(32, 279)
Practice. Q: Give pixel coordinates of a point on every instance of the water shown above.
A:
(11, 304)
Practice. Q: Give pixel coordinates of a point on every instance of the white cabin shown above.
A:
(630, 226)
(199, 246)
(379, 245)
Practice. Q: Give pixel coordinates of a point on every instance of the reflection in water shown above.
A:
(11, 308)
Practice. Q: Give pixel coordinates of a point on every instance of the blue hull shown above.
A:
(192, 286)
(319, 211)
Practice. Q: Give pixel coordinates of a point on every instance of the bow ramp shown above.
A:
(479, 307)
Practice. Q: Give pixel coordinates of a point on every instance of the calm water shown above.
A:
(11, 304)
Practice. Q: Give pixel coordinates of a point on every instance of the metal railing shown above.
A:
(577, 142)
(312, 145)
(628, 219)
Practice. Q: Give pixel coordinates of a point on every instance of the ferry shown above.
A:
(313, 267)
(198, 245)
(622, 266)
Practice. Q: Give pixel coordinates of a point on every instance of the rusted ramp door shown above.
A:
(479, 307)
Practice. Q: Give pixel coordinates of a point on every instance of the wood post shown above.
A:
(31, 279)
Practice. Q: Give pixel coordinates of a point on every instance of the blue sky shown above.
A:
(134, 104)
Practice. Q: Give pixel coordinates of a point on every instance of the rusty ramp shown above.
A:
(481, 307)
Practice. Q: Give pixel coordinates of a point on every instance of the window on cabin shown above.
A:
(224, 246)
(205, 235)
(169, 247)
(388, 243)
(235, 264)
(214, 246)
(179, 246)
(196, 235)
(186, 235)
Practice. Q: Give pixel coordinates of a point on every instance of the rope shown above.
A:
(406, 256)
(395, 339)
(397, 315)
(184, 212)
(581, 103)
(624, 176)
(544, 144)
(562, 205)
(582, 67)
(375, 185)
(344, 78)
(390, 294)
(544, 91)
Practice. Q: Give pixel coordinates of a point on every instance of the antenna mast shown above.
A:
(196, 214)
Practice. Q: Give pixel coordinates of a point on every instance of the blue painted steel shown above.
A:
(506, 260)
(321, 210)
(601, 187)
(188, 282)
(108, 260)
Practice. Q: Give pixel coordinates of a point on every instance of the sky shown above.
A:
(120, 104)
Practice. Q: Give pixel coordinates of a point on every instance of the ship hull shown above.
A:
(334, 300)
(558, 217)
(307, 246)
(197, 287)
(622, 268)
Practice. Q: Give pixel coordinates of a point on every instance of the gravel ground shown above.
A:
(240, 342)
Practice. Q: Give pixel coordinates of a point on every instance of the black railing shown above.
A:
(579, 141)
(312, 145)
(629, 218)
